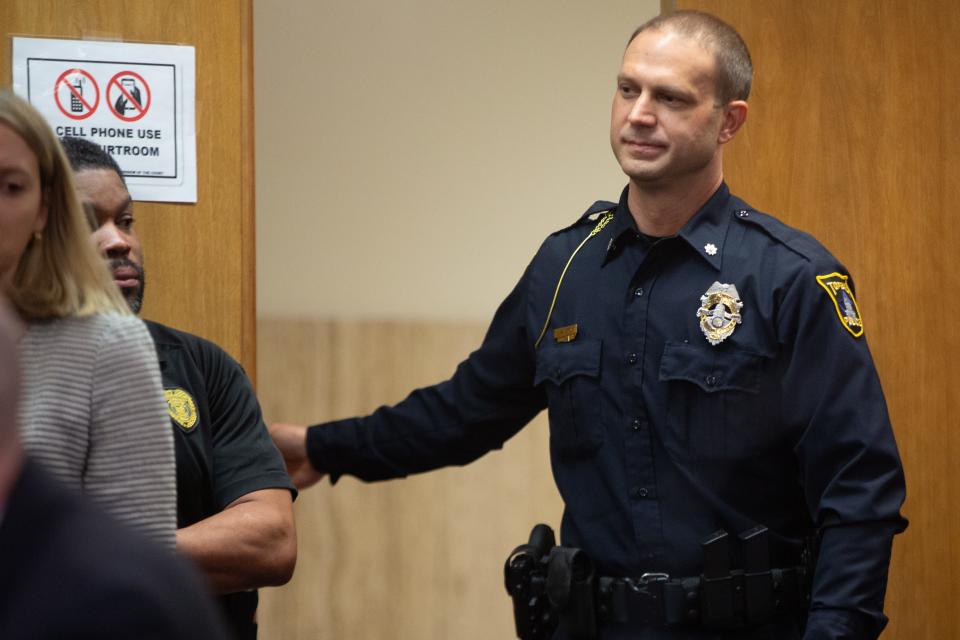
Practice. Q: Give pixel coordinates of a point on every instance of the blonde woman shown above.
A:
(92, 410)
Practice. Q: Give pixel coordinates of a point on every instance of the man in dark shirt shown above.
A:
(234, 498)
(704, 369)
(69, 571)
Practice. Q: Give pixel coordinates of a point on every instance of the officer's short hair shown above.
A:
(84, 154)
(734, 67)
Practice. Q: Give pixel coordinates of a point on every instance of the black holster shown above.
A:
(525, 577)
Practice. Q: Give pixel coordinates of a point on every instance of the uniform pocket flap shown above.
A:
(711, 370)
(559, 362)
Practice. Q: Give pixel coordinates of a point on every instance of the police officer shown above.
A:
(234, 498)
(704, 368)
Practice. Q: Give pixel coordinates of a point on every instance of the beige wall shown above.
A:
(411, 156)
(419, 558)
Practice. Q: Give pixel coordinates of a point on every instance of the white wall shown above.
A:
(412, 155)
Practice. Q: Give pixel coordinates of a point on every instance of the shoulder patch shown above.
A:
(181, 407)
(836, 286)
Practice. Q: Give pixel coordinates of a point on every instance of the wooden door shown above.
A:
(852, 135)
(199, 257)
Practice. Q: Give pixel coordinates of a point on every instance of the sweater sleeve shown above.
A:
(130, 467)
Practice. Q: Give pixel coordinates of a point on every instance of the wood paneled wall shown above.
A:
(852, 135)
(413, 559)
(200, 258)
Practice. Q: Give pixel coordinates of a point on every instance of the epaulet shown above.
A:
(591, 215)
(801, 243)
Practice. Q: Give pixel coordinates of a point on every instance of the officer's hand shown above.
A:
(291, 439)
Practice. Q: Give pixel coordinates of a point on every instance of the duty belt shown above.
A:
(553, 586)
(745, 600)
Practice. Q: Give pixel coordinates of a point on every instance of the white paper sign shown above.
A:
(134, 100)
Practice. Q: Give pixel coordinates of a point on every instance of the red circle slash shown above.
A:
(78, 102)
(135, 100)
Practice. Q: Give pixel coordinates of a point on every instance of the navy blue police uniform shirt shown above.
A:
(223, 448)
(657, 436)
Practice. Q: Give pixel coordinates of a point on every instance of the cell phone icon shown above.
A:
(76, 104)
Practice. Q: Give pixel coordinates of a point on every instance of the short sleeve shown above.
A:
(244, 456)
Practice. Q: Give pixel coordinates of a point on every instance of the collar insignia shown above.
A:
(841, 295)
(719, 312)
(710, 248)
(182, 408)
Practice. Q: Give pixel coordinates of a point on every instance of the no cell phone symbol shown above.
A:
(77, 94)
(128, 96)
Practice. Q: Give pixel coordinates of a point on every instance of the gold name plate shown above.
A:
(565, 334)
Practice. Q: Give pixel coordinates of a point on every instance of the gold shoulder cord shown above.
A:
(600, 225)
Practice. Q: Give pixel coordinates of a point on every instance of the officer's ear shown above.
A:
(734, 115)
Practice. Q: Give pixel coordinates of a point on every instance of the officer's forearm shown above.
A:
(850, 582)
(250, 544)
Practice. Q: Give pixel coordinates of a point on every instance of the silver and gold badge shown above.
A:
(719, 312)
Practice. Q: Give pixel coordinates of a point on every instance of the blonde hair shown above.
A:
(60, 273)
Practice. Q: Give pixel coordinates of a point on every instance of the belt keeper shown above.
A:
(680, 602)
(619, 605)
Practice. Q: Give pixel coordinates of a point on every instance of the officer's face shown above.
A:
(665, 124)
(103, 192)
(22, 208)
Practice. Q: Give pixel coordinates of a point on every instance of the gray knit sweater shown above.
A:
(93, 413)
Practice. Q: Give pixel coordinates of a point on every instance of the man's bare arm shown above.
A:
(250, 544)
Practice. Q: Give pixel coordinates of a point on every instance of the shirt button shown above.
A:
(638, 291)
(711, 380)
(639, 492)
(638, 424)
(632, 358)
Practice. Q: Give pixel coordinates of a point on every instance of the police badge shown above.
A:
(719, 312)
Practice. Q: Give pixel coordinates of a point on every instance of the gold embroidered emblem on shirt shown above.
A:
(181, 407)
